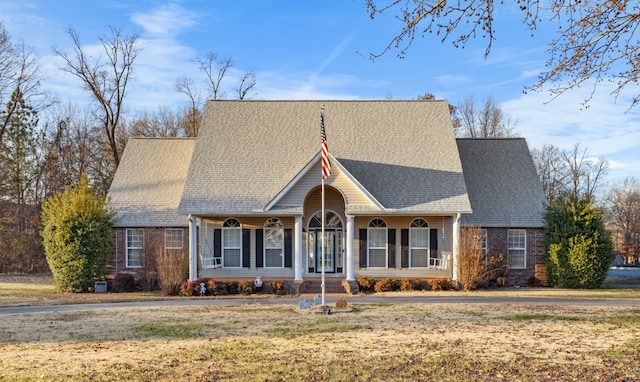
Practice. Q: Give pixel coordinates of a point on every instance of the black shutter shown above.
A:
(433, 243)
(391, 248)
(363, 248)
(259, 248)
(246, 250)
(288, 248)
(404, 243)
(217, 243)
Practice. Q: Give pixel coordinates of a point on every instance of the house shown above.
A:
(244, 198)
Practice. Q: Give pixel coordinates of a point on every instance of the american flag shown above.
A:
(326, 162)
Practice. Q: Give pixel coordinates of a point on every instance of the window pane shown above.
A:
(419, 238)
(133, 258)
(134, 238)
(419, 257)
(273, 238)
(273, 258)
(377, 237)
(516, 258)
(516, 251)
(377, 258)
(173, 238)
(232, 258)
(232, 238)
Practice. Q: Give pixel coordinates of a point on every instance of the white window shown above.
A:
(231, 244)
(173, 238)
(377, 243)
(135, 247)
(419, 244)
(517, 248)
(273, 244)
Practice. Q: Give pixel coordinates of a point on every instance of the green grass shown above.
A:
(167, 330)
(314, 327)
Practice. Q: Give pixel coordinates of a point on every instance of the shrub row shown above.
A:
(370, 285)
(216, 287)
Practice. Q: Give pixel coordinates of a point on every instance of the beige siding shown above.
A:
(333, 201)
(445, 244)
(252, 223)
(297, 194)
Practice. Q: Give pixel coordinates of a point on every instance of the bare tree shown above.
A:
(623, 213)
(245, 84)
(488, 121)
(19, 69)
(596, 40)
(214, 69)
(569, 173)
(585, 174)
(192, 115)
(106, 80)
(69, 148)
(551, 169)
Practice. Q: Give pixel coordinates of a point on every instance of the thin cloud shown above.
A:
(166, 20)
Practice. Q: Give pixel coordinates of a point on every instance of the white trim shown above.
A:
(316, 159)
(456, 245)
(280, 228)
(166, 231)
(350, 261)
(127, 248)
(223, 248)
(298, 264)
(524, 249)
(193, 249)
(412, 229)
(386, 245)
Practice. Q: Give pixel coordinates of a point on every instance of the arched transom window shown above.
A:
(419, 243)
(273, 243)
(377, 243)
(231, 244)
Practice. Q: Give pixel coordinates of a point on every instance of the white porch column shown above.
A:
(349, 247)
(193, 249)
(298, 248)
(456, 246)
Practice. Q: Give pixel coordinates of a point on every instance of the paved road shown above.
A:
(329, 300)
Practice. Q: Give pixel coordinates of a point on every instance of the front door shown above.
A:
(333, 244)
(329, 251)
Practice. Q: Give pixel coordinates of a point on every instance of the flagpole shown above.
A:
(326, 172)
(322, 262)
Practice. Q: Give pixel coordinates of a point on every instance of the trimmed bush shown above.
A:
(366, 284)
(441, 284)
(233, 287)
(192, 288)
(387, 285)
(218, 287)
(277, 287)
(246, 287)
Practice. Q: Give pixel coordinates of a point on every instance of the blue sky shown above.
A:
(319, 50)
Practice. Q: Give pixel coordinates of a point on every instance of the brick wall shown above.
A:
(535, 258)
(154, 244)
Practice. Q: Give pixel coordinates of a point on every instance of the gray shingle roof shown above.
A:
(503, 185)
(147, 187)
(403, 152)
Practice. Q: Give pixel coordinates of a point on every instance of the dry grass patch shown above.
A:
(278, 343)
